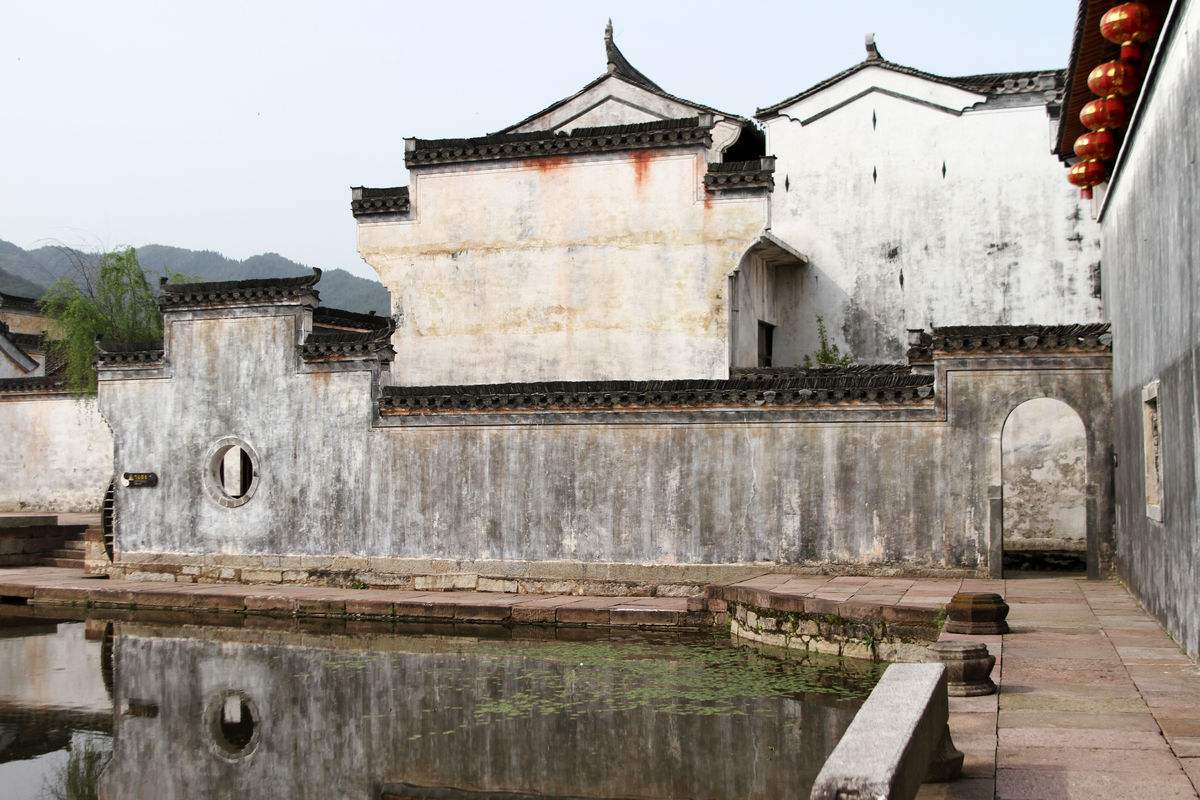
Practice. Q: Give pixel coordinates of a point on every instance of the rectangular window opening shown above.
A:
(766, 343)
(1152, 450)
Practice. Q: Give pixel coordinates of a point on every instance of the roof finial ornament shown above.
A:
(609, 47)
(619, 66)
(872, 50)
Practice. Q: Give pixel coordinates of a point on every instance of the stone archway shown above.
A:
(1045, 477)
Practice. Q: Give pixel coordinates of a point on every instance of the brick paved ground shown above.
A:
(1095, 702)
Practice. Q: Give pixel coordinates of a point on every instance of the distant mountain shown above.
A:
(11, 284)
(29, 272)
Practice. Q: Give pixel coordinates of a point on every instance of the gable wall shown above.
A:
(1000, 239)
(610, 102)
(609, 266)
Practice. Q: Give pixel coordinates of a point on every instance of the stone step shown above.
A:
(65, 553)
(75, 546)
(68, 563)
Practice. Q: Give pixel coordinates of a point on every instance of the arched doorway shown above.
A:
(1044, 472)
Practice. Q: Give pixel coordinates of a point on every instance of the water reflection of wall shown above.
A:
(338, 723)
(57, 667)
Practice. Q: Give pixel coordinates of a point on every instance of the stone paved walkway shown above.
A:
(1096, 702)
(69, 586)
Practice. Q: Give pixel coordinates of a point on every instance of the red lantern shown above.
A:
(1129, 25)
(1096, 144)
(1113, 77)
(1105, 112)
(1085, 175)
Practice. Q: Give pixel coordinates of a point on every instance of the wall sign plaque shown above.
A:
(140, 479)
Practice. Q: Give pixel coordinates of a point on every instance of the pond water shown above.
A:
(407, 712)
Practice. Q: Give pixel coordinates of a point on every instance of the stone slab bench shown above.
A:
(899, 739)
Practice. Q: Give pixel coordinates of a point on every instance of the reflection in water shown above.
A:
(232, 724)
(242, 712)
(79, 777)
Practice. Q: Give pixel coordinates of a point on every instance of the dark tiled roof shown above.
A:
(1091, 337)
(783, 392)
(50, 384)
(17, 302)
(350, 345)
(24, 342)
(859, 376)
(536, 144)
(238, 292)
(132, 354)
(734, 175)
(367, 201)
(1000, 83)
(619, 67)
(993, 83)
(325, 316)
(56, 360)
(28, 342)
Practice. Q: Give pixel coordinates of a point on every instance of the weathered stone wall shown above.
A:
(1151, 252)
(58, 453)
(415, 711)
(23, 321)
(895, 243)
(563, 268)
(862, 485)
(1045, 478)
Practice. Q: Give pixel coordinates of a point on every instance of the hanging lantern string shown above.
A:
(1129, 25)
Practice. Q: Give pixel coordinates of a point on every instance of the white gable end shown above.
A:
(885, 81)
(612, 101)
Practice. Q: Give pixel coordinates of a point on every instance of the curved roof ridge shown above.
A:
(618, 66)
(981, 83)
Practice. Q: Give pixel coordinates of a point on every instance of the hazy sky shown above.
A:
(239, 127)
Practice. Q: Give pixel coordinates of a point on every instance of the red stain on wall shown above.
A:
(641, 165)
(547, 163)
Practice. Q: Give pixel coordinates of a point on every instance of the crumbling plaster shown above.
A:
(1045, 478)
(876, 487)
(610, 266)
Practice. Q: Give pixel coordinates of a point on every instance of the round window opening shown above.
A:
(233, 724)
(232, 473)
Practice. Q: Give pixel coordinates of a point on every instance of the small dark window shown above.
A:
(766, 343)
(241, 485)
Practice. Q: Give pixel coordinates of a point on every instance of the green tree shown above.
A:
(108, 300)
(827, 354)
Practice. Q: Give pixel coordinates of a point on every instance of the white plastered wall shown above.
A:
(999, 238)
(608, 266)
